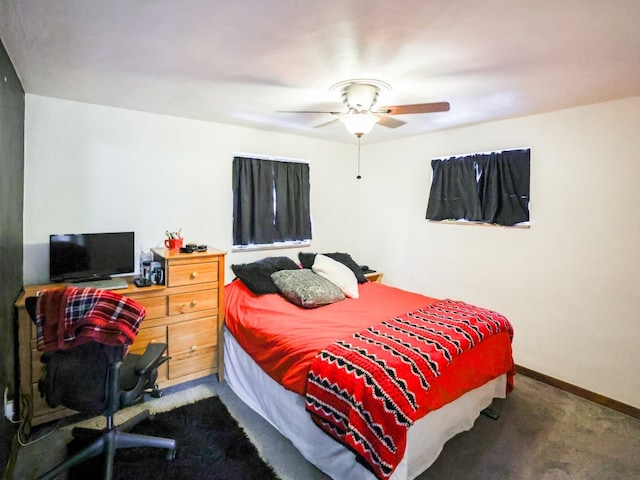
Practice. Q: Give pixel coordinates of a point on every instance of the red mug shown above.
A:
(173, 243)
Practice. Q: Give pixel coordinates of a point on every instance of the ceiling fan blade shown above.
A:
(416, 108)
(326, 124)
(309, 111)
(390, 122)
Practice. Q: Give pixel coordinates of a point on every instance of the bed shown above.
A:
(273, 346)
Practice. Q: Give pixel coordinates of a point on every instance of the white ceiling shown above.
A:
(239, 61)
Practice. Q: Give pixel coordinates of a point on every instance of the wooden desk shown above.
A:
(187, 314)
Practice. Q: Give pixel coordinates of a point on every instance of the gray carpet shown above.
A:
(543, 433)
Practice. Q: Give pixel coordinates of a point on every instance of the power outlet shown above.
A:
(8, 409)
(8, 405)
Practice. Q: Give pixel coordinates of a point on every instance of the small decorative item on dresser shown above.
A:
(157, 273)
(189, 248)
(174, 240)
(192, 247)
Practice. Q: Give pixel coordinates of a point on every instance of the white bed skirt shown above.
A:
(285, 410)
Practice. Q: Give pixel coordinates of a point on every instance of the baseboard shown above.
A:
(580, 392)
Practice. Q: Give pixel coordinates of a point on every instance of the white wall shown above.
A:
(91, 168)
(570, 284)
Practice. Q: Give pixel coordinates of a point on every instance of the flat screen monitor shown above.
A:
(90, 256)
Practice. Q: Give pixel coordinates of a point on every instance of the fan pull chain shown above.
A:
(359, 177)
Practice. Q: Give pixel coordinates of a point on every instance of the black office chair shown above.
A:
(99, 379)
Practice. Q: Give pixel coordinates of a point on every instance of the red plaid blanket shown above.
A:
(365, 390)
(73, 316)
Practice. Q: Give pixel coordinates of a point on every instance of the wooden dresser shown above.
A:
(187, 313)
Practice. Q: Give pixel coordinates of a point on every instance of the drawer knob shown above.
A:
(194, 303)
(194, 274)
(193, 348)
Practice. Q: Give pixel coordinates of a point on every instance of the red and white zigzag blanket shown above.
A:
(365, 390)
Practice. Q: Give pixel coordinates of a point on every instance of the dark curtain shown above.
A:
(270, 201)
(504, 187)
(453, 190)
(492, 188)
(292, 221)
(252, 201)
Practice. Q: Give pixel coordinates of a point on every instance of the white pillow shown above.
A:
(338, 274)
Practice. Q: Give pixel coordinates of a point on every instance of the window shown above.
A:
(486, 187)
(270, 202)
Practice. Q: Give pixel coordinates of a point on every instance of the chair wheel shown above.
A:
(156, 392)
(171, 455)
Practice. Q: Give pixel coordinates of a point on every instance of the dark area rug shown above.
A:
(211, 446)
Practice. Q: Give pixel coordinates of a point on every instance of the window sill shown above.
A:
(270, 246)
(523, 225)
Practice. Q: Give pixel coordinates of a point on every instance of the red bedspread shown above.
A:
(283, 339)
(366, 390)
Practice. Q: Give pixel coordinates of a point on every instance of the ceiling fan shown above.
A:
(360, 114)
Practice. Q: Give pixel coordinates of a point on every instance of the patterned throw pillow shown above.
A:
(306, 289)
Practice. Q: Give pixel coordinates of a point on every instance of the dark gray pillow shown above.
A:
(257, 275)
(306, 289)
(307, 259)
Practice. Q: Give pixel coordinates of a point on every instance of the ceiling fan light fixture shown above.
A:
(359, 123)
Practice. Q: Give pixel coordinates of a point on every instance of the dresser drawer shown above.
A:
(193, 301)
(146, 336)
(36, 365)
(192, 362)
(192, 273)
(156, 307)
(192, 335)
(193, 346)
